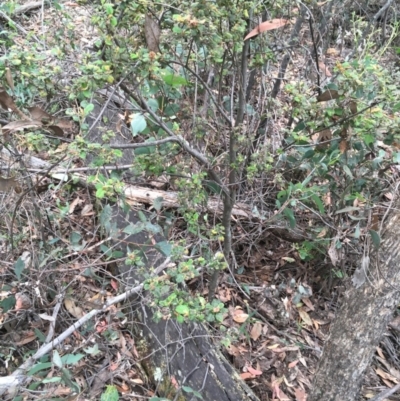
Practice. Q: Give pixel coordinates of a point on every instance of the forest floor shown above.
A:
(279, 314)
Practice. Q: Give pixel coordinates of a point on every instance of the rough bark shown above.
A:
(360, 323)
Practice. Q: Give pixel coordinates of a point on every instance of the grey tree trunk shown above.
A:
(360, 323)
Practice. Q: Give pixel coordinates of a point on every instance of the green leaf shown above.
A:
(88, 108)
(290, 216)
(39, 367)
(75, 238)
(182, 310)
(158, 203)
(100, 193)
(67, 379)
(348, 172)
(332, 86)
(41, 337)
(153, 104)
(134, 228)
(145, 150)
(300, 126)
(138, 124)
(71, 359)
(19, 266)
(57, 359)
(357, 231)
(7, 303)
(105, 218)
(376, 239)
(164, 247)
(309, 154)
(93, 350)
(187, 389)
(174, 80)
(319, 203)
(213, 187)
(111, 394)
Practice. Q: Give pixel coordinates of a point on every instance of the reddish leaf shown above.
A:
(114, 284)
(246, 376)
(300, 394)
(267, 26)
(253, 371)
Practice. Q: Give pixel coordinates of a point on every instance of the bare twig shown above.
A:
(385, 394)
(18, 376)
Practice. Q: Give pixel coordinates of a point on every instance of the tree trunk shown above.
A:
(360, 323)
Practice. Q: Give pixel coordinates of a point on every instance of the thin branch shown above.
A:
(174, 138)
(207, 88)
(46, 348)
(19, 27)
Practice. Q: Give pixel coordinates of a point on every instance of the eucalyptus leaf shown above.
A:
(138, 124)
(376, 239)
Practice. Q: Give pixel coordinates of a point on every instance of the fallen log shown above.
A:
(185, 354)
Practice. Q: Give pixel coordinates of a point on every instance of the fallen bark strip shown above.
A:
(18, 377)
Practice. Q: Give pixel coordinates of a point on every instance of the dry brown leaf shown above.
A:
(329, 94)
(22, 301)
(8, 183)
(292, 364)
(375, 222)
(239, 316)
(333, 252)
(380, 352)
(305, 317)
(21, 125)
(9, 79)
(267, 26)
(87, 210)
(343, 146)
(323, 139)
(324, 69)
(385, 375)
(308, 303)
(353, 107)
(57, 131)
(6, 101)
(28, 338)
(38, 114)
(152, 34)
(256, 331)
(344, 133)
(73, 309)
(332, 52)
(74, 204)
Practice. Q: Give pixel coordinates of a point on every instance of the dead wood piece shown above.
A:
(183, 352)
(360, 322)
